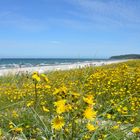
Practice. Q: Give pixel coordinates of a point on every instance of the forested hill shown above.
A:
(128, 56)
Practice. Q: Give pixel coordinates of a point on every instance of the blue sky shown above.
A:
(69, 28)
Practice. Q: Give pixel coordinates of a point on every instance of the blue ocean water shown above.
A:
(32, 62)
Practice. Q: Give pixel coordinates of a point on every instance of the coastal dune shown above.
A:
(42, 69)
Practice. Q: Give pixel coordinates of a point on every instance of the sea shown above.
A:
(6, 63)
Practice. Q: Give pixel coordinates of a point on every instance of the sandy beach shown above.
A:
(42, 69)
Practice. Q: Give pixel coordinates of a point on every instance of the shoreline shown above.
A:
(42, 69)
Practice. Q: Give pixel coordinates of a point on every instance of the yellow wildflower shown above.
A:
(136, 130)
(56, 91)
(60, 106)
(18, 129)
(90, 127)
(36, 77)
(30, 103)
(48, 86)
(44, 77)
(58, 123)
(115, 127)
(11, 125)
(89, 113)
(89, 100)
(108, 116)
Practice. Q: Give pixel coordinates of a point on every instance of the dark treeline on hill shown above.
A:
(127, 56)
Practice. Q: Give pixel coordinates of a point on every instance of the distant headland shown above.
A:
(127, 56)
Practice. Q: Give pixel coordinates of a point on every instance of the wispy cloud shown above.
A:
(117, 12)
(80, 14)
(15, 20)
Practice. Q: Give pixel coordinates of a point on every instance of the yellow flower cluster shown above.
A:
(80, 104)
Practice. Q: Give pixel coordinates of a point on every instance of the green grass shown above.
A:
(116, 95)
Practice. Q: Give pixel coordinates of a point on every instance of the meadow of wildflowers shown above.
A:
(92, 103)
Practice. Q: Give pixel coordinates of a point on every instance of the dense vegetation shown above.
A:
(127, 56)
(92, 103)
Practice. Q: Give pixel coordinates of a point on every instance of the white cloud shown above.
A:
(117, 12)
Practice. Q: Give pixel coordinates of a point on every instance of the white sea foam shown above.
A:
(48, 68)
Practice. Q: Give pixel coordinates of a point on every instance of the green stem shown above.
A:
(36, 97)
